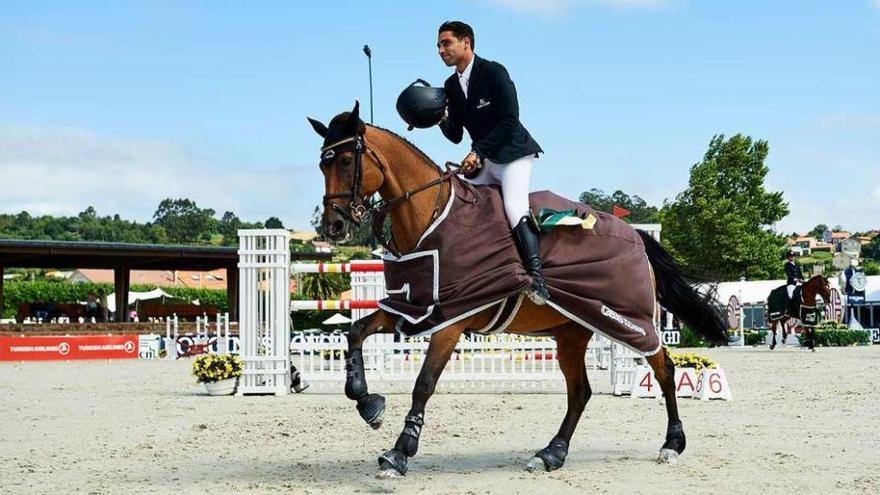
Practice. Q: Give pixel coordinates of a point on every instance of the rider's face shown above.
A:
(450, 48)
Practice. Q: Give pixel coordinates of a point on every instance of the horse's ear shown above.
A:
(354, 122)
(320, 128)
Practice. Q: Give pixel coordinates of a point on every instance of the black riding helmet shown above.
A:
(421, 106)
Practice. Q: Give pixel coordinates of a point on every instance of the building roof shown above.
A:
(63, 254)
(214, 279)
(303, 236)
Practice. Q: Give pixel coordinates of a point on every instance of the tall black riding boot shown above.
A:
(526, 235)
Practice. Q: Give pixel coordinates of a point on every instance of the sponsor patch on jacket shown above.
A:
(483, 103)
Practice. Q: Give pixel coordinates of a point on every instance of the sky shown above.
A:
(119, 105)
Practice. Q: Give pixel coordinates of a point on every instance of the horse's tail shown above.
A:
(676, 294)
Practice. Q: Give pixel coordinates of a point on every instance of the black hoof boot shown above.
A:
(372, 409)
(675, 438)
(393, 459)
(552, 456)
(408, 442)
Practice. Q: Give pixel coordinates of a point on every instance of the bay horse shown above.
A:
(358, 160)
(779, 311)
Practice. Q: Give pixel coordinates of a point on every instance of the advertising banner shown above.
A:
(69, 347)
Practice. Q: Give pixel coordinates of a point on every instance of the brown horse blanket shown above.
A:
(467, 261)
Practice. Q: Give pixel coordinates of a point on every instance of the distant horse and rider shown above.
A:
(796, 301)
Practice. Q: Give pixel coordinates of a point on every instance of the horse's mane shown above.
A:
(408, 143)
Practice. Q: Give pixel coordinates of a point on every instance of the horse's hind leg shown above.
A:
(393, 462)
(370, 406)
(664, 371)
(571, 343)
(773, 334)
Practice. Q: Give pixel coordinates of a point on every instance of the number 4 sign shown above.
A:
(644, 383)
(713, 385)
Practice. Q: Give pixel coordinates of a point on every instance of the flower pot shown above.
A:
(222, 387)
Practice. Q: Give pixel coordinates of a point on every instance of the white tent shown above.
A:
(337, 319)
(134, 297)
(756, 291)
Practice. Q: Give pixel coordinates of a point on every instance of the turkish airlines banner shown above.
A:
(64, 348)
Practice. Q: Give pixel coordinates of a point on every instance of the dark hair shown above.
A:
(459, 30)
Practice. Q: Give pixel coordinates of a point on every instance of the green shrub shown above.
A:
(755, 336)
(837, 338)
(690, 339)
(21, 292)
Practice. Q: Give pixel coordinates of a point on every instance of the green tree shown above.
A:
(229, 225)
(184, 221)
(872, 249)
(274, 223)
(719, 225)
(639, 211)
(322, 285)
(818, 230)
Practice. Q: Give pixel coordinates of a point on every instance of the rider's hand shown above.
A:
(470, 163)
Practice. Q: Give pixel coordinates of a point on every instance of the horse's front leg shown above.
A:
(370, 406)
(392, 463)
(571, 341)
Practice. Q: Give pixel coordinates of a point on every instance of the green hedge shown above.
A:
(20, 292)
(755, 337)
(838, 338)
(690, 339)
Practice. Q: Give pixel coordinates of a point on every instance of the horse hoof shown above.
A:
(667, 456)
(536, 464)
(372, 410)
(388, 474)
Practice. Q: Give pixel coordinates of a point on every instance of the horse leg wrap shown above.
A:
(553, 454)
(675, 439)
(393, 459)
(408, 441)
(355, 380)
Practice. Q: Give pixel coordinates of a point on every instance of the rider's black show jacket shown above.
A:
(793, 272)
(490, 113)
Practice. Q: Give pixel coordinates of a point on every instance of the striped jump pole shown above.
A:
(332, 305)
(352, 267)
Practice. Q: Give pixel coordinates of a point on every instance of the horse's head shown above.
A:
(352, 172)
(822, 287)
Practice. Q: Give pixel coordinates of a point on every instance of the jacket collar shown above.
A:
(476, 70)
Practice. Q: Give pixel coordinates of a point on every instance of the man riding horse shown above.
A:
(794, 276)
(482, 99)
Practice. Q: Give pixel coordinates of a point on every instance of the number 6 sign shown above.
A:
(712, 384)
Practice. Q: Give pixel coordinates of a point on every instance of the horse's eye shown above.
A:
(346, 160)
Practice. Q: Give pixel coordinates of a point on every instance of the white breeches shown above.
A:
(514, 178)
(790, 290)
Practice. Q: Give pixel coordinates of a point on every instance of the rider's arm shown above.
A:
(452, 124)
(452, 129)
(505, 102)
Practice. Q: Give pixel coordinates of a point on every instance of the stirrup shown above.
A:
(537, 292)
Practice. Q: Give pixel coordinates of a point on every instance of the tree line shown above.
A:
(721, 225)
(176, 221)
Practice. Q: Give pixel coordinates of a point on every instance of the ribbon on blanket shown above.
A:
(548, 219)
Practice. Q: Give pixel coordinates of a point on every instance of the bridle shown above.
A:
(359, 209)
